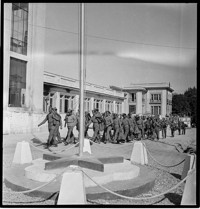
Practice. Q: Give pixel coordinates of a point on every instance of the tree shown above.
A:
(186, 104)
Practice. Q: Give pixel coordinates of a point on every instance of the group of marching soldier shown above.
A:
(111, 127)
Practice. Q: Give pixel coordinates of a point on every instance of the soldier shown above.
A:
(179, 126)
(108, 121)
(58, 123)
(71, 121)
(125, 125)
(131, 126)
(96, 119)
(183, 127)
(51, 127)
(87, 120)
(147, 128)
(157, 127)
(139, 124)
(116, 127)
(163, 125)
(172, 127)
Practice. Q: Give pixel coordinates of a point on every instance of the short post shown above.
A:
(190, 163)
(139, 153)
(72, 188)
(86, 146)
(189, 193)
(22, 153)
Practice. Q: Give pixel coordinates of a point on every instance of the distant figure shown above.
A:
(183, 127)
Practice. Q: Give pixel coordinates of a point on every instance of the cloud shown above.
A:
(91, 52)
(164, 57)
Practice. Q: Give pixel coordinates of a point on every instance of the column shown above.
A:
(57, 101)
(91, 104)
(164, 103)
(148, 106)
(76, 103)
(139, 102)
(114, 106)
(104, 105)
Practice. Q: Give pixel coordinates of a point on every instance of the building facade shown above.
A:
(29, 89)
(149, 98)
(23, 64)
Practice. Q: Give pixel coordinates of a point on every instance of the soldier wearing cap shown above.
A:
(96, 119)
(71, 121)
(51, 127)
(163, 125)
(58, 123)
(108, 121)
(125, 125)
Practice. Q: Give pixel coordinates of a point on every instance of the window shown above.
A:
(19, 30)
(156, 110)
(87, 104)
(155, 97)
(133, 97)
(118, 107)
(98, 104)
(17, 83)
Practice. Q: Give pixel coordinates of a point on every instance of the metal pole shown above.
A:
(82, 79)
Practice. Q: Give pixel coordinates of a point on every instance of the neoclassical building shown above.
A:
(29, 89)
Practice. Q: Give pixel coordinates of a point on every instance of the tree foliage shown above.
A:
(186, 104)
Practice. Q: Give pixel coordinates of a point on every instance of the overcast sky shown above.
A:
(126, 43)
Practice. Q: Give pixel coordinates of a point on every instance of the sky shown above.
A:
(125, 43)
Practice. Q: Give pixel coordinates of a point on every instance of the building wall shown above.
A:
(16, 119)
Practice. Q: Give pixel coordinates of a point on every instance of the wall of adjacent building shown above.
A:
(23, 119)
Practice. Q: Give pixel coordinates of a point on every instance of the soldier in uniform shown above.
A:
(51, 127)
(179, 126)
(172, 127)
(87, 120)
(157, 127)
(125, 125)
(71, 121)
(139, 124)
(116, 127)
(131, 126)
(163, 125)
(96, 119)
(183, 127)
(58, 123)
(108, 121)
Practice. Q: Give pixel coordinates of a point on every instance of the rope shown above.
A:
(37, 188)
(141, 198)
(161, 163)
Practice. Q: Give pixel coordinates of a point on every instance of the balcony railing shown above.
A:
(155, 101)
(130, 100)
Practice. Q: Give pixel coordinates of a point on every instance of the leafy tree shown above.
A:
(186, 104)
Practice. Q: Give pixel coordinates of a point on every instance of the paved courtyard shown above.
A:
(167, 151)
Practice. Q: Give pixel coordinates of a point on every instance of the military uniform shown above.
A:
(96, 119)
(125, 125)
(51, 127)
(58, 123)
(71, 122)
(164, 128)
(108, 121)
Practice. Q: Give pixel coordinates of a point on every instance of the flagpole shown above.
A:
(82, 78)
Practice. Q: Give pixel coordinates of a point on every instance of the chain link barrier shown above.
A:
(159, 162)
(140, 198)
(106, 189)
